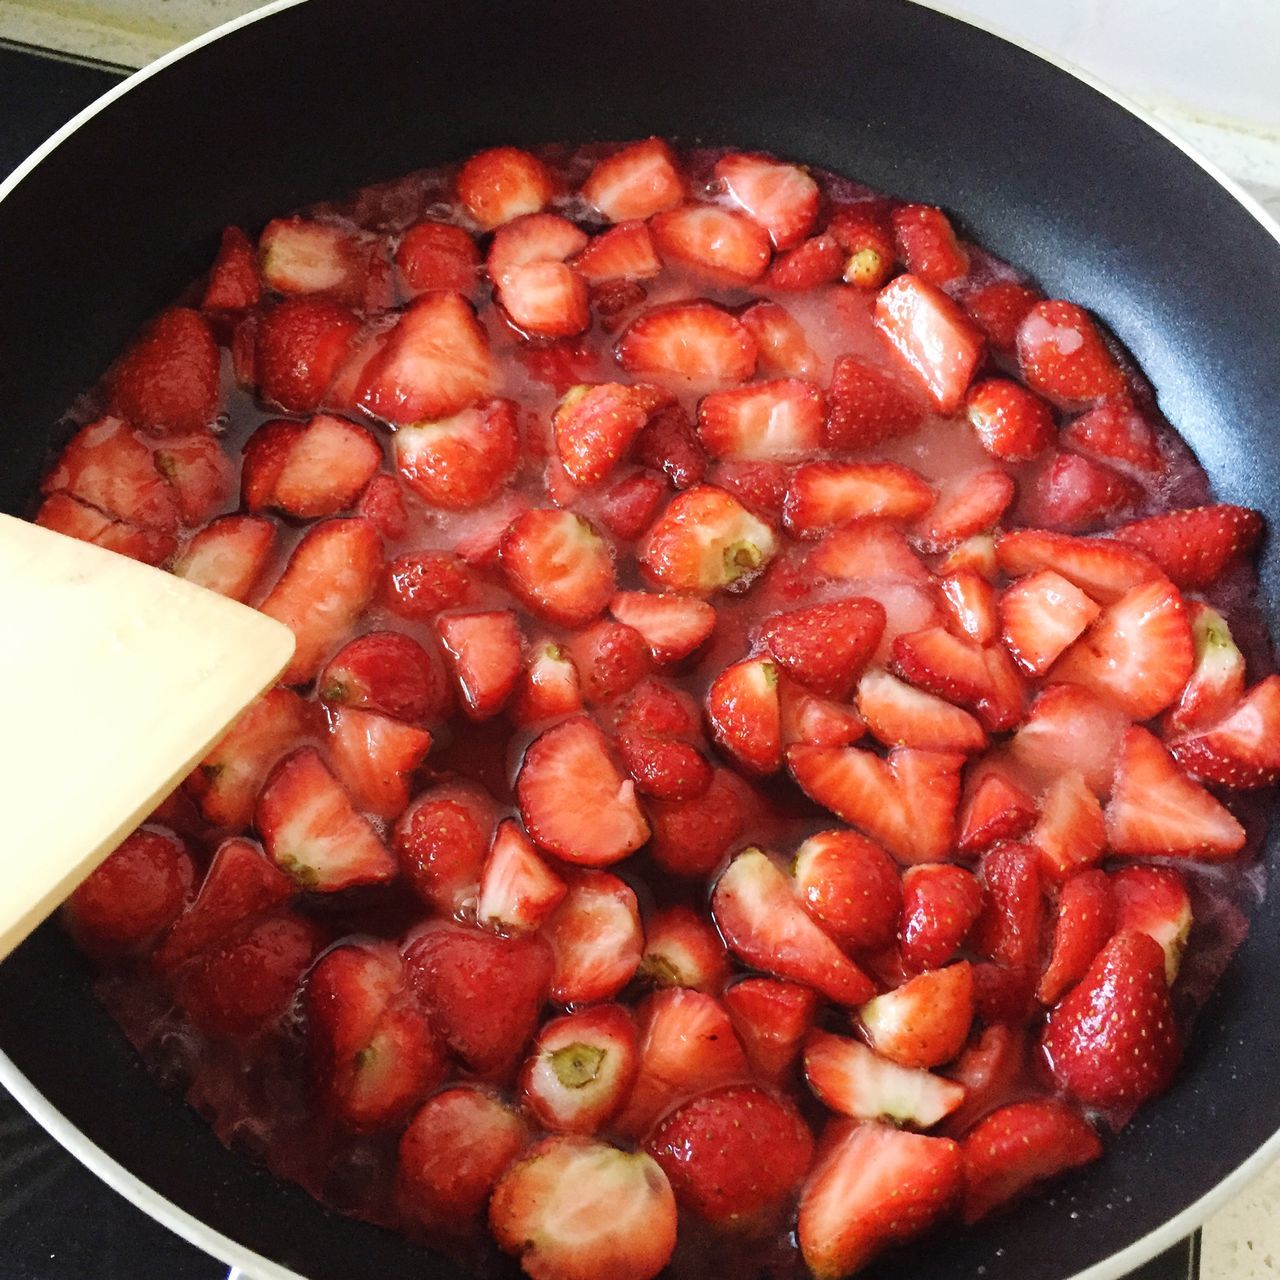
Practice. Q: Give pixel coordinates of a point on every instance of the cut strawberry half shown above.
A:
(1062, 355)
(925, 1021)
(1217, 678)
(850, 886)
(596, 426)
(65, 514)
(966, 506)
(299, 348)
(983, 678)
(1155, 901)
(503, 183)
(682, 950)
(970, 600)
(436, 255)
(658, 734)
(976, 554)
(375, 757)
(772, 1019)
(636, 181)
(530, 239)
(388, 672)
(820, 721)
(673, 626)
(630, 506)
(781, 198)
(716, 243)
(865, 550)
(940, 904)
(669, 444)
(1196, 547)
(624, 252)
(1100, 567)
(998, 309)
(866, 242)
(826, 646)
(927, 244)
(1117, 432)
(694, 343)
(485, 652)
(1070, 833)
(1009, 929)
(317, 469)
(441, 840)
(167, 381)
(691, 837)
(460, 461)
(1040, 616)
(1070, 729)
(233, 282)
(816, 261)
(821, 495)
(548, 689)
(595, 937)
(994, 807)
(421, 583)
(545, 299)
(780, 340)
(868, 406)
(298, 255)
(518, 891)
(559, 566)
(229, 555)
(766, 421)
(745, 717)
(200, 473)
(902, 716)
(1242, 749)
(1086, 920)
(1011, 423)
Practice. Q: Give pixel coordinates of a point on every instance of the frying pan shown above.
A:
(307, 101)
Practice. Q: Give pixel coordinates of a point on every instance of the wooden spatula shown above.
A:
(116, 679)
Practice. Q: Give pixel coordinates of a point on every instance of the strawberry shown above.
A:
(596, 938)
(518, 891)
(760, 917)
(629, 507)
(1011, 423)
(1239, 750)
(867, 406)
(435, 363)
(558, 565)
(771, 1019)
(316, 469)
(682, 950)
(331, 578)
(705, 540)
(746, 721)
(822, 495)
(624, 252)
(927, 244)
(226, 782)
(925, 1021)
(528, 240)
(715, 243)
(421, 583)
(1009, 928)
(866, 241)
(1040, 616)
(932, 336)
(440, 842)
(461, 461)
(781, 198)
(233, 282)
(940, 904)
(1020, 1146)
(382, 503)
(673, 626)
(766, 421)
(1117, 432)
(1062, 355)
(1086, 920)
(636, 181)
(574, 1208)
(974, 555)
(372, 1051)
(388, 672)
(813, 262)
(1155, 901)
(825, 646)
(1137, 654)
(452, 1154)
(299, 347)
(964, 507)
(132, 897)
(867, 549)
(990, 1068)
(611, 658)
(669, 444)
(482, 993)
(998, 309)
(374, 757)
(502, 183)
(67, 515)
(548, 688)
(1112, 1041)
(545, 299)
(983, 678)
(906, 802)
(873, 1187)
(820, 721)
(694, 344)
(167, 381)
(200, 473)
(1217, 678)
(994, 807)
(658, 735)
(301, 256)
(733, 1156)
(558, 365)
(436, 255)
(850, 887)
(902, 716)
(1100, 567)
(970, 600)
(761, 487)
(851, 1080)
(1070, 729)
(690, 837)
(485, 653)
(1075, 494)
(595, 426)
(265, 454)
(311, 829)
(574, 801)
(780, 339)
(1196, 546)
(1070, 833)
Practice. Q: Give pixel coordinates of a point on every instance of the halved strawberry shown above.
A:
(821, 495)
(595, 426)
(1009, 929)
(902, 716)
(734, 1156)
(1112, 1041)
(694, 343)
(771, 1019)
(1040, 616)
(867, 406)
(932, 336)
(940, 904)
(233, 282)
(907, 802)
(385, 671)
(452, 1154)
(199, 471)
(421, 583)
(866, 241)
(441, 841)
(1217, 678)
(998, 309)
(760, 916)
(766, 421)
(673, 626)
(1100, 567)
(558, 565)
(1240, 750)
(1155, 901)
(850, 886)
(852, 1080)
(873, 1187)
(965, 506)
(825, 646)
(976, 554)
(436, 255)
(461, 461)
(530, 239)
(809, 718)
(983, 678)
(865, 550)
(1020, 1146)
(781, 198)
(690, 837)
(502, 183)
(715, 243)
(624, 252)
(669, 444)
(1086, 920)
(925, 1021)
(1196, 546)
(574, 1207)
(994, 807)
(67, 515)
(311, 829)
(746, 720)
(681, 949)
(546, 299)
(299, 347)
(1070, 728)
(167, 381)
(761, 487)
(1062, 355)
(1074, 494)
(298, 255)
(374, 756)
(970, 600)
(549, 687)
(596, 938)
(485, 652)
(780, 341)
(658, 733)
(1138, 653)
(611, 658)
(816, 261)
(316, 469)
(1070, 832)
(636, 181)
(1116, 431)
(518, 891)
(927, 244)
(331, 578)
(1011, 423)
(228, 555)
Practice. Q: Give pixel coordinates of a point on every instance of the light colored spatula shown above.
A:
(115, 679)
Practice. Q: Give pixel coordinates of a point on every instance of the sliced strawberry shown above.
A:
(1196, 546)
(716, 243)
(1040, 616)
(421, 583)
(1062, 355)
(452, 1154)
(558, 565)
(974, 555)
(545, 299)
(925, 1021)
(611, 658)
(970, 600)
(67, 515)
(1009, 928)
(760, 916)
(502, 183)
(772, 1019)
(822, 495)
(673, 626)
(932, 336)
(906, 802)
(298, 255)
(826, 646)
(868, 406)
(233, 282)
(746, 720)
(853, 1081)
(865, 550)
(436, 255)
(200, 473)
(316, 469)
(669, 444)
(1217, 678)
(482, 993)
(518, 891)
(1086, 920)
(1138, 654)
(548, 689)
(596, 938)
(693, 343)
(994, 807)
(927, 244)
(575, 1207)
(681, 949)
(1117, 432)
(299, 347)
(766, 421)
(998, 309)
(485, 652)
(167, 381)
(374, 756)
(820, 721)
(624, 252)
(690, 837)
(966, 506)
(867, 243)
(1242, 749)
(1075, 494)
(388, 672)
(850, 886)
(596, 426)
(1100, 567)
(1070, 729)
(331, 578)
(1070, 833)
(1155, 901)
(781, 198)
(816, 261)
(1011, 423)
(940, 904)
(264, 456)
(983, 678)
(780, 339)
(873, 1187)
(761, 487)
(902, 716)
(734, 1156)
(636, 181)
(441, 841)
(990, 1068)
(460, 461)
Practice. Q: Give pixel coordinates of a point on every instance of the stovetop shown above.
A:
(57, 1220)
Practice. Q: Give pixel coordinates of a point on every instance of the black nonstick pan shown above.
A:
(314, 99)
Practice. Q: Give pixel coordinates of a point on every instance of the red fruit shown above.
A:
(503, 183)
(1020, 1146)
(610, 657)
(546, 299)
(780, 339)
(906, 802)
(548, 689)
(68, 515)
(1100, 567)
(1112, 1041)
(851, 1080)
(559, 365)
(596, 938)
(1062, 355)
(657, 739)
(133, 896)
(765, 421)
(1071, 833)
(873, 1187)
(435, 255)
(682, 950)
(595, 426)
(716, 243)
(850, 886)
(867, 244)
(462, 461)
(300, 345)
(1086, 920)
(1009, 928)
(690, 837)
(575, 1209)
(167, 381)
(925, 1021)
(867, 406)
(624, 252)
(200, 473)
(385, 671)
(1075, 494)
(822, 495)
(300, 256)
(482, 993)
(628, 508)
(746, 722)
(518, 891)
(994, 808)
(452, 1155)
(636, 181)
(441, 842)
(927, 244)
(1117, 432)
(669, 444)
(1217, 678)
(866, 550)
(374, 757)
(808, 718)
(233, 279)
(694, 342)
(421, 583)
(1004, 996)
(331, 578)
(673, 626)
(940, 904)
(1011, 423)
(226, 782)
(971, 505)
(485, 652)
(1242, 749)
(963, 672)
(761, 487)
(932, 336)
(989, 1069)
(705, 540)
(974, 555)
(760, 917)
(1040, 616)
(311, 470)
(970, 599)
(733, 1156)
(998, 309)
(772, 1019)
(781, 198)
(1154, 901)
(1196, 546)
(811, 263)
(901, 716)
(1070, 729)
(558, 565)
